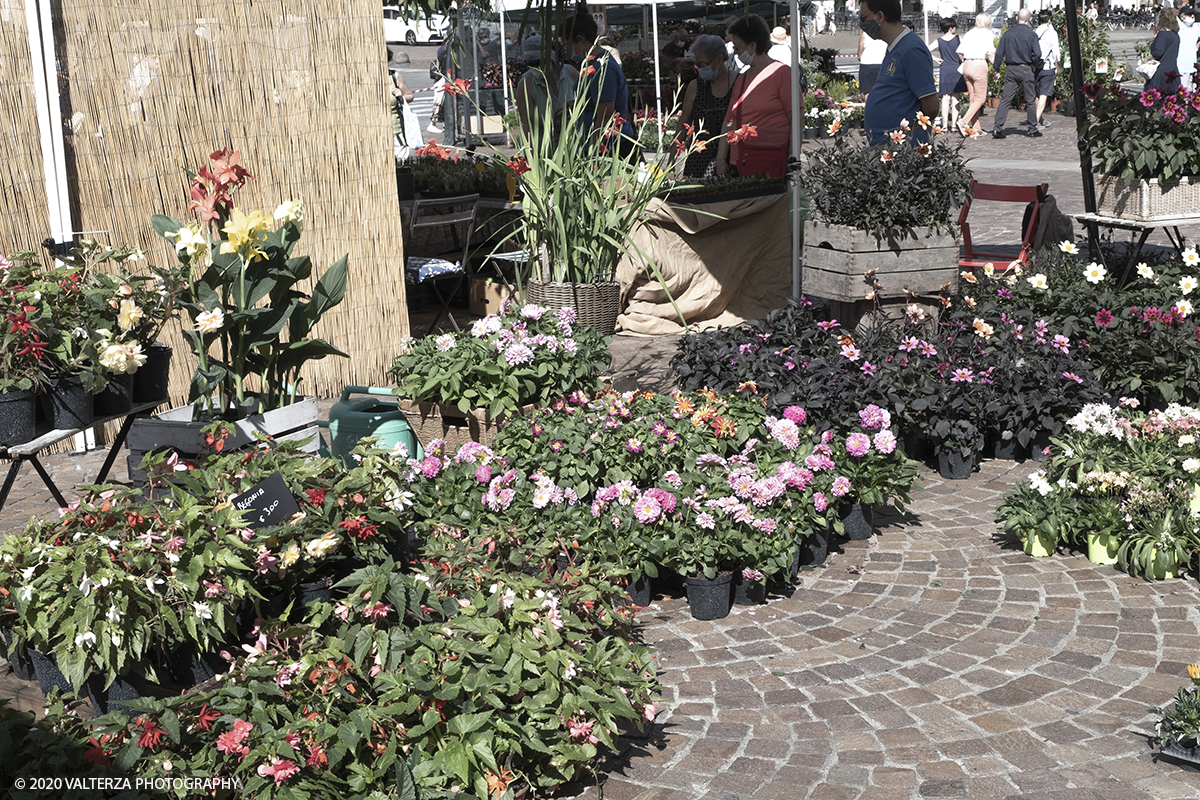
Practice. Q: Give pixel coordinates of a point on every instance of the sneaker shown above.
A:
(434, 128)
(1035, 133)
(999, 134)
(1044, 125)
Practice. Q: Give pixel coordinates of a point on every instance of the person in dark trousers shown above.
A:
(1018, 49)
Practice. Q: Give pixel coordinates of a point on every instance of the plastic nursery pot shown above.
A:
(748, 593)
(639, 590)
(18, 415)
(858, 521)
(116, 398)
(1035, 546)
(70, 403)
(710, 598)
(1102, 548)
(954, 466)
(813, 548)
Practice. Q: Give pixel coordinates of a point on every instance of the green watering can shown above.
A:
(349, 422)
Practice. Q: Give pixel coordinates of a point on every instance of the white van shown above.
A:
(397, 28)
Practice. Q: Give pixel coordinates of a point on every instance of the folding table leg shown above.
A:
(46, 479)
(8, 481)
(116, 446)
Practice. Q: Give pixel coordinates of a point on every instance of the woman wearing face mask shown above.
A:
(762, 99)
(706, 100)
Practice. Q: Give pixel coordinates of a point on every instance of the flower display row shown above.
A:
(1122, 483)
(1011, 359)
(468, 665)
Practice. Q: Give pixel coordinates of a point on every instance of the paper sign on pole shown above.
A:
(600, 14)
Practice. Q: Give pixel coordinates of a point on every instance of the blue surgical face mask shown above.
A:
(707, 73)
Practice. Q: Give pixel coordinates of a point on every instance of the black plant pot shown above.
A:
(1008, 450)
(954, 466)
(916, 446)
(116, 398)
(70, 404)
(49, 676)
(153, 378)
(858, 521)
(22, 667)
(640, 590)
(18, 417)
(312, 592)
(710, 599)
(748, 593)
(188, 667)
(814, 548)
(116, 696)
(1038, 447)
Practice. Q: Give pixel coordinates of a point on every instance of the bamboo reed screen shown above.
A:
(151, 87)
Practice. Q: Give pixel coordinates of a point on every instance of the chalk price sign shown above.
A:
(268, 502)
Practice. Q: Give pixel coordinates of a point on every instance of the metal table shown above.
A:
(29, 451)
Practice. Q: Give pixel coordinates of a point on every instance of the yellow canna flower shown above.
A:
(246, 233)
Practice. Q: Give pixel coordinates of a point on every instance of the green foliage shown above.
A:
(1137, 136)
(23, 340)
(245, 296)
(859, 185)
(527, 355)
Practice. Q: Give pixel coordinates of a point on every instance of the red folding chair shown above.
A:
(972, 257)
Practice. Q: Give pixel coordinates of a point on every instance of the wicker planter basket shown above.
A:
(1148, 200)
(595, 304)
(435, 421)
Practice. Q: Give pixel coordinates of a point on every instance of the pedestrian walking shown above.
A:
(1018, 50)
(950, 72)
(977, 51)
(1048, 40)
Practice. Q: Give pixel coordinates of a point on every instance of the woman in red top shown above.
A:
(762, 99)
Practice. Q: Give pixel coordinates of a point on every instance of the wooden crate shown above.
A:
(836, 259)
(175, 429)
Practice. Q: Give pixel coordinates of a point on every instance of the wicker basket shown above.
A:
(434, 421)
(1148, 200)
(596, 304)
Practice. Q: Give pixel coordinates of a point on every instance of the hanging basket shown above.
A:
(596, 304)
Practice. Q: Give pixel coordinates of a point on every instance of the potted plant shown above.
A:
(22, 345)
(1178, 726)
(577, 253)
(1128, 124)
(469, 381)
(242, 294)
(875, 468)
(858, 227)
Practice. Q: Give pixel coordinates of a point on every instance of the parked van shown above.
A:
(397, 28)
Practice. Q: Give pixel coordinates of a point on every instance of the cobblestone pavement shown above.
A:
(934, 660)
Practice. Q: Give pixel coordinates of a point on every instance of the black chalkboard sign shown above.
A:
(268, 502)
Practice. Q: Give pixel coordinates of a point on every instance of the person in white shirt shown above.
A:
(1189, 36)
(781, 48)
(976, 48)
(1048, 40)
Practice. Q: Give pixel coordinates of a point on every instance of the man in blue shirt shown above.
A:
(605, 92)
(905, 84)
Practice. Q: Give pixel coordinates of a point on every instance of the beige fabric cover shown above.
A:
(721, 270)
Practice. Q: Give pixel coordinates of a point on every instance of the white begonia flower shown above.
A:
(1191, 464)
(114, 615)
(319, 548)
(1094, 273)
(86, 640)
(27, 573)
(85, 586)
(290, 211)
(1186, 284)
(116, 638)
(151, 583)
(203, 611)
(210, 321)
(25, 593)
(1037, 281)
(129, 315)
(111, 544)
